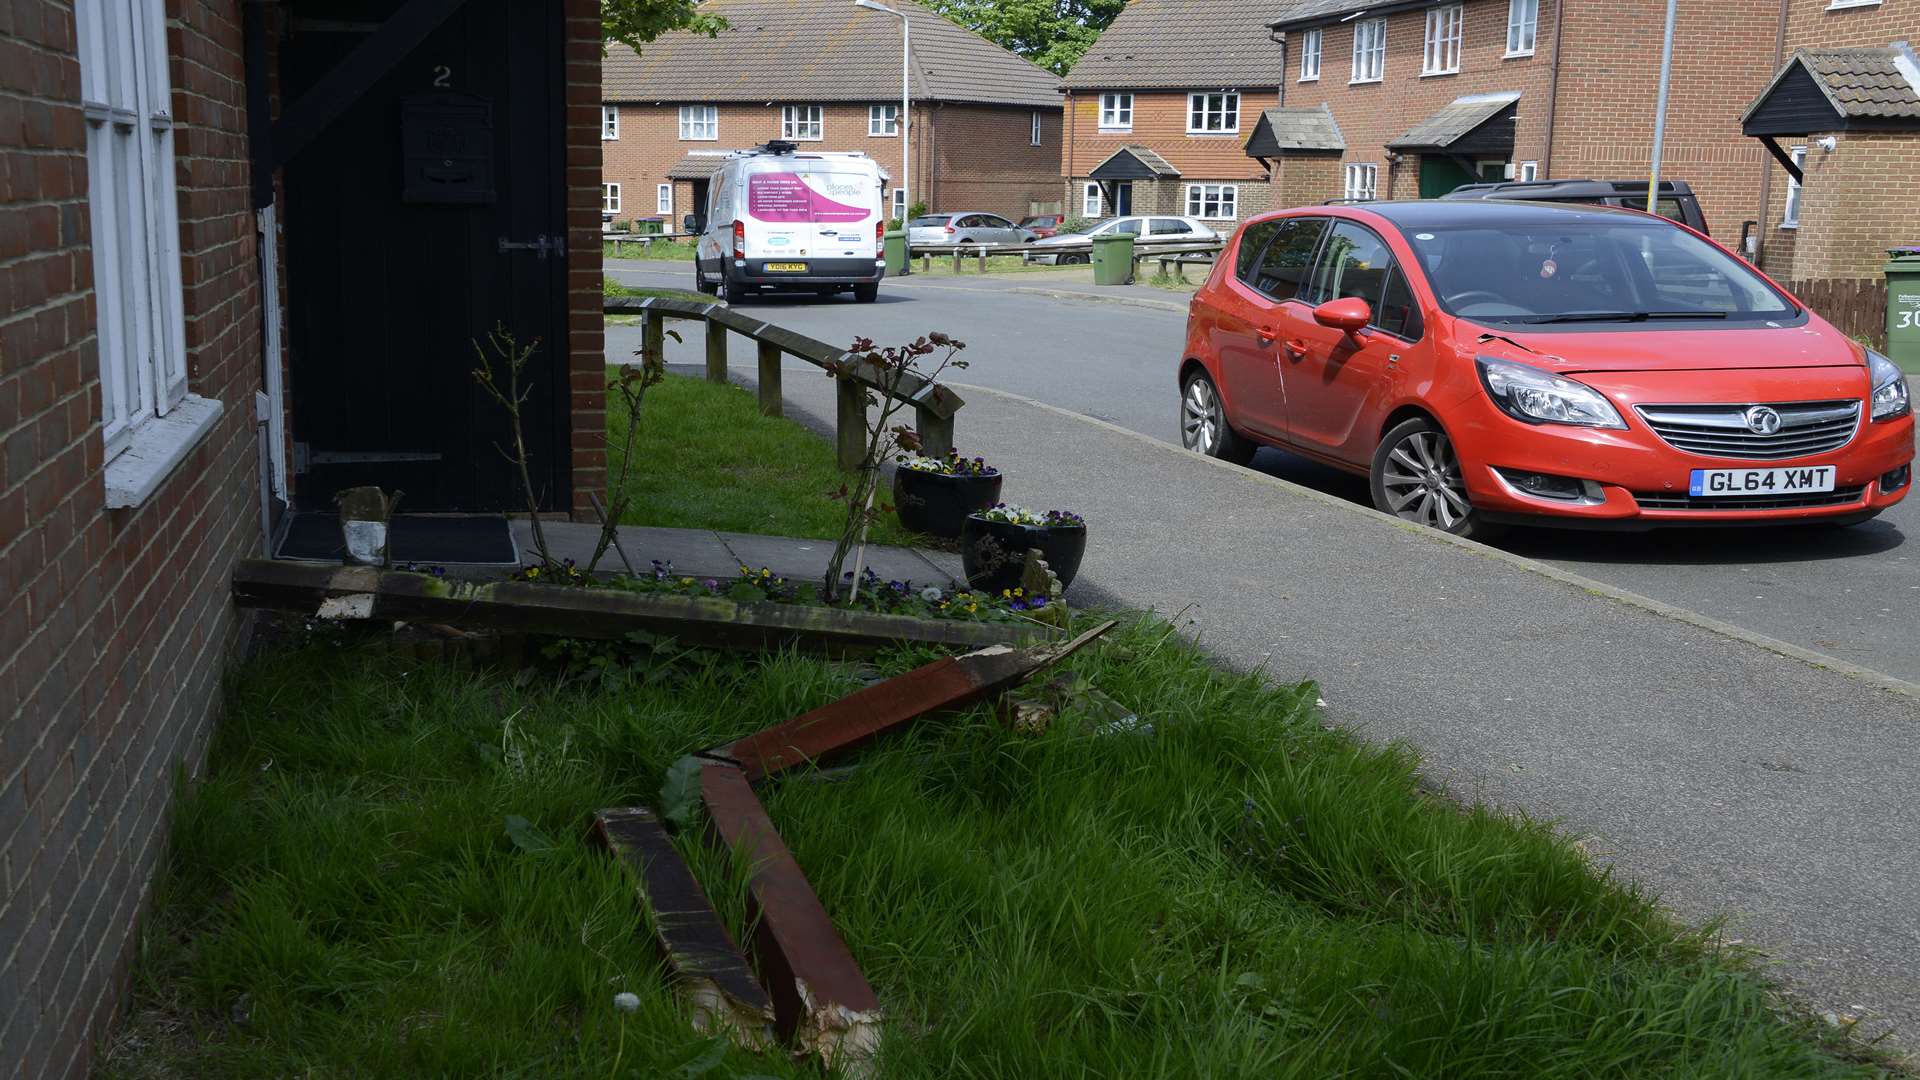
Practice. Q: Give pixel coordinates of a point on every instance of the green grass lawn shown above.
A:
(707, 459)
(1237, 892)
(680, 250)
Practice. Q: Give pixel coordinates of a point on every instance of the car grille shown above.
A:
(1806, 427)
(1667, 500)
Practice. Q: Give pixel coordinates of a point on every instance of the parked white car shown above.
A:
(967, 227)
(1153, 226)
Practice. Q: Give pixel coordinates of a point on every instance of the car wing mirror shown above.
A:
(693, 224)
(1349, 314)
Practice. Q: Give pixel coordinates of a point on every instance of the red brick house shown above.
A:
(984, 131)
(1159, 109)
(161, 288)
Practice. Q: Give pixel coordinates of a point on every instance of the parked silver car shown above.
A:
(1157, 227)
(966, 227)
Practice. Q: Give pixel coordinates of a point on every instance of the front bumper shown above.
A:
(834, 271)
(1635, 480)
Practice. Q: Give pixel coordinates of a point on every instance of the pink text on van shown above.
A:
(786, 197)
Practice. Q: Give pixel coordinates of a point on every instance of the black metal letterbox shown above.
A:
(446, 143)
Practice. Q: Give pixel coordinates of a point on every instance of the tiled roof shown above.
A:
(697, 166)
(1180, 44)
(1302, 12)
(1454, 120)
(1304, 127)
(1145, 161)
(823, 50)
(1864, 82)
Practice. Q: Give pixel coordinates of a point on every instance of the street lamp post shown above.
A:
(906, 99)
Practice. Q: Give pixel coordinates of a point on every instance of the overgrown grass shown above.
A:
(709, 460)
(1237, 892)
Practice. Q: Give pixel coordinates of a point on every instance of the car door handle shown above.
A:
(1295, 349)
(1265, 335)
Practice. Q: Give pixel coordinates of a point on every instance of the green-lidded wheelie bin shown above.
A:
(893, 245)
(650, 225)
(1903, 308)
(1113, 259)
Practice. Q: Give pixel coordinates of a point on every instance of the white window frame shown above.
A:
(140, 316)
(883, 121)
(1091, 200)
(1369, 51)
(609, 123)
(699, 123)
(1218, 107)
(609, 198)
(1528, 171)
(1523, 27)
(1790, 213)
(1446, 27)
(1116, 112)
(1035, 141)
(897, 201)
(1310, 47)
(803, 123)
(1224, 199)
(663, 200)
(1362, 181)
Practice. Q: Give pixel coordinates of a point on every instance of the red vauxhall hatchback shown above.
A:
(1488, 362)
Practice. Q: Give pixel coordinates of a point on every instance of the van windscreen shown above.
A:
(810, 196)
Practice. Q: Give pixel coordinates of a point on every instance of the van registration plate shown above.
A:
(786, 268)
(1708, 483)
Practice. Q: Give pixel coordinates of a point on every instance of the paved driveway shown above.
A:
(1853, 594)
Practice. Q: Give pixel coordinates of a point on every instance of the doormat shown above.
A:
(426, 539)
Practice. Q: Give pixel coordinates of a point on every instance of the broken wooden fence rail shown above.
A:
(366, 592)
(933, 404)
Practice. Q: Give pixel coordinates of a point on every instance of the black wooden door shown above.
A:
(426, 215)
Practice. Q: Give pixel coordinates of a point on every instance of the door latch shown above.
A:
(539, 245)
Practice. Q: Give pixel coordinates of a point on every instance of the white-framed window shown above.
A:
(663, 200)
(609, 121)
(1036, 130)
(1790, 217)
(883, 120)
(1362, 181)
(1444, 31)
(897, 199)
(1369, 50)
(139, 308)
(1090, 200)
(1214, 202)
(1213, 114)
(1523, 25)
(610, 198)
(1310, 56)
(802, 123)
(1529, 170)
(1116, 112)
(699, 123)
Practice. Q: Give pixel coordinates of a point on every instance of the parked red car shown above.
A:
(1494, 362)
(1042, 225)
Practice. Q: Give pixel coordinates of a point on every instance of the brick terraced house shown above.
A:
(984, 131)
(211, 212)
(1159, 110)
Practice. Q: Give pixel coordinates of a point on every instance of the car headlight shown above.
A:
(1892, 397)
(1541, 397)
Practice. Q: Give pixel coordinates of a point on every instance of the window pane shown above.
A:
(1397, 313)
(1354, 264)
(1283, 267)
(1253, 242)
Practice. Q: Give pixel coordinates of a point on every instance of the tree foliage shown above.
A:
(1051, 33)
(636, 22)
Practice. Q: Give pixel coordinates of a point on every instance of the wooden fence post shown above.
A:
(850, 426)
(769, 379)
(983, 259)
(653, 337)
(956, 260)
(716, 352)
(936, 431)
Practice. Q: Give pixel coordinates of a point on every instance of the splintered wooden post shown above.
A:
(653, 337)
(716, 352)
(947, 683)
(709, 968)
(822, 1003)
(769, 379)
(936, 431)
(850, 423)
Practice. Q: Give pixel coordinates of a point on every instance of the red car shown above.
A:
(1486, 363)
(1042, 225)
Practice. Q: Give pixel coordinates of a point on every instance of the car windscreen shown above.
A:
(929, 221)
(1589, 272)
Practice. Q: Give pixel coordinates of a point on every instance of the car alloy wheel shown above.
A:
(1203, 422)
(1416, 477)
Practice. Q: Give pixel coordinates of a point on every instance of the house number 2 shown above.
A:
(442, 75)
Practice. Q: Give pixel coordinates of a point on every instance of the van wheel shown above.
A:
(702, 283)
(866, 294)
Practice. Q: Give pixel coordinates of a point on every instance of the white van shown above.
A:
(782, 219)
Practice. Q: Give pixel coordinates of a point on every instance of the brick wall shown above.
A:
(116, 623)
(964, 156)
(1160, 125)
(586, 320)
(1301, 179)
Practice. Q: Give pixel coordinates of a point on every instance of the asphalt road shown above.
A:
(1852, 593)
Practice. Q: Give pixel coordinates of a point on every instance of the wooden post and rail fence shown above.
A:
(1145, 249)
(933, 404)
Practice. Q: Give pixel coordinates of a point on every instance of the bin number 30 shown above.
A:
(1906, 320)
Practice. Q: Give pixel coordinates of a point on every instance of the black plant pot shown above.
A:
(994, 552)
(938, 504)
